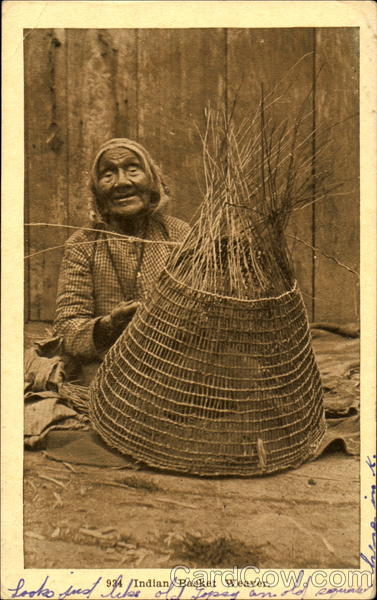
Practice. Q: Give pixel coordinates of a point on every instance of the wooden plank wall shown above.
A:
(83, 86)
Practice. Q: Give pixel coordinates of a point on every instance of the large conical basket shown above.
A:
(212, 385)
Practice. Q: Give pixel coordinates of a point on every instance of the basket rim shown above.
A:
(292, 290)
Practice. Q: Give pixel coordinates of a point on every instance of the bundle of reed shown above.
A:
(216, 375)
(75, 395)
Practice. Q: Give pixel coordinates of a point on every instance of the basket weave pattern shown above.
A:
(215, 375)
(223, 387)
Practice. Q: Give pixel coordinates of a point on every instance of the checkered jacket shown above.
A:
(98, 271)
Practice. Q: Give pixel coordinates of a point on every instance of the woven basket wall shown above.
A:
(212, 385)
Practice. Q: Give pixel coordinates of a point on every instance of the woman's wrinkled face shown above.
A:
(123, 187)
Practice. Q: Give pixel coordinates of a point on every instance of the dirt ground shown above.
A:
(90, 517)
(75, 518)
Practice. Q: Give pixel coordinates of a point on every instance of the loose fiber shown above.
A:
(215, 375)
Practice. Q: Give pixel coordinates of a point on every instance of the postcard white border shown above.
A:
(18, 15)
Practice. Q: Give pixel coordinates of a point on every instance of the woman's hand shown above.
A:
(108, 328)
(121, 315)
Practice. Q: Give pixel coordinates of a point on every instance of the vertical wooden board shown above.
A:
(179, 72)
(26, 34)
(125, 82)
(46, 160)
(101, 102)
(267, 56)
(337, 218)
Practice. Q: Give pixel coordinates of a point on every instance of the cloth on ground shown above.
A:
(50, 402)
(343, 433)
(85, 448)
(44, 366)
(45, 415)
(62, 405)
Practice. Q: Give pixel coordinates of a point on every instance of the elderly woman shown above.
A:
(103, 276)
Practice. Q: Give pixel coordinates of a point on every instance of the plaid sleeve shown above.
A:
(178, 230)
(74, 319)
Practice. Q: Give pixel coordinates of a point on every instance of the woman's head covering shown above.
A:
(159, 191)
